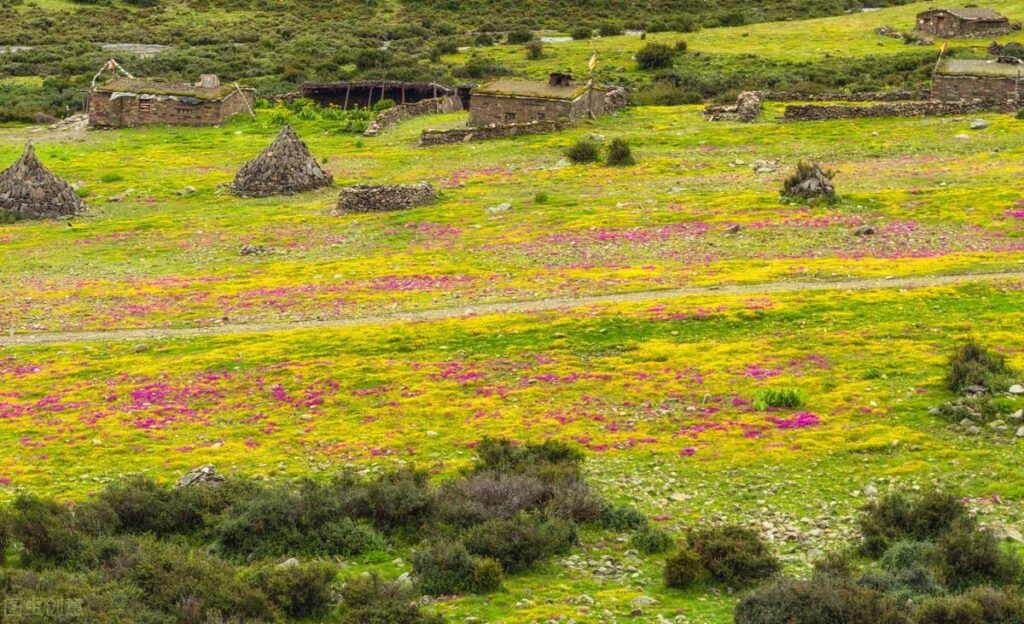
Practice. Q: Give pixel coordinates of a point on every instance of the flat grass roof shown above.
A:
(152, 87)
(978, 67)
(531, 88)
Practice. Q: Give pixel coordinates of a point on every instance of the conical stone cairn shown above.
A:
(283, 168)
(28, 190)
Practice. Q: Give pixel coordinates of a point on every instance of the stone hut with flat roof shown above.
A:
(509, 101)
(965, 22)
(964, 80)
(129, 102)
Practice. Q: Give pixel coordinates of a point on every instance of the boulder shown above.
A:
(203, 475)
(28, 190)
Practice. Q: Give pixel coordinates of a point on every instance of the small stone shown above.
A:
(1020, 432)
(870, 490)
(966, 422)
(962, 137)
(979, 124)
(288, 563)
(864, 230)
(644, 601)
(733, 229)
(973, 431)
(1016, 416)
(996, 424)
(502, 207)
(1016, 389)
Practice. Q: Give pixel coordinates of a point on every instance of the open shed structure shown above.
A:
(366, 93)
(965, 22)
(129, 102)
(957, 80)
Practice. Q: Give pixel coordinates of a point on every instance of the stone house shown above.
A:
(957, 80)
(128, 102)
(966, 22)
(510, 101)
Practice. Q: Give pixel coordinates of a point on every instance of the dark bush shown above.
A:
(654, 56)
(489, 495)
(623, 518)
(302, 590)
(734, 554)
(483, 40)
(583, 151)
(974, 365)
(908, 565)
(175, 579)
(480, 67)
(894, 517)
(810, 182)
(400, 499)
(998, 607)
(519, 36)
(534, 50)
(504, 455)
(521, 541)
(822, 600)
(966, 556)
(446, 568)
(683, 568)
(581, 33)
(664, 94)
(45, 530)
(610, 29)
(651, 540)
(370, 600)
(5, 536)
(619, 153)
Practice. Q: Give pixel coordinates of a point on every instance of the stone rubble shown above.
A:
(283, 168)
(384, 198)
(28, 190)
(203, 475)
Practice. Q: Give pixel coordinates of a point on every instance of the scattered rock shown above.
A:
(254, 250)
(973, 431)
(288, 563)
(966, 422)
(962, 137)
(979, 124)
(870, 490)
(1020, 432)
(644, 601)
(502, 207)
(188, 190)
(1016, 389)
(733, 229)
(864, 230)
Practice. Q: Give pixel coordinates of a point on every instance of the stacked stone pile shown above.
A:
(747, 109)
(283, 168)
(810, 181)
(383, 198)
(28, 190)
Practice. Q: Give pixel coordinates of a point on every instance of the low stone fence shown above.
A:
(747, 109)
(862, 96)
(384, 198)
(396, 114)
(816, 112)
(484, 133)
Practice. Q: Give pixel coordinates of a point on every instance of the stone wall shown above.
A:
(395, 115)
(862, 96)
(384, 198)
(747, 109)
(990, 88)
(460, 135)
(140, 110)
(487, 109)
(817, 112)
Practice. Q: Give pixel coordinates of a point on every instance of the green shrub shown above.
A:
(534, 50)
(483, 40)
(950, 610)
(967, 556)
(683, 568)
(446, 568)
(734, 554)
(623, 518)
(997, 606)
(5, 536)
(810, 182)
(908, 566)
(111, 177)
(583, 151)
(503, 455)
(85, 597)
(541, 197)
(368, 599)
(821, 600)
(779, 398)
(894, 517)
(521, 541)
(651, 540)
(520, 35)
(610, 29)
(489, 495)
(681, 46)
(382, 105)
(480, 67)
(582, 33)
(664, 93)
(44, 528)
(654, 56)
(619, 153)
(299, 591)
(399, 498)
(974, 365)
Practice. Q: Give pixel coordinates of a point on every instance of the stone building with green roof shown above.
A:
(513, 101)
(129, 102)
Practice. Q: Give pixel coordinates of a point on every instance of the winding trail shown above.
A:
(510, 307)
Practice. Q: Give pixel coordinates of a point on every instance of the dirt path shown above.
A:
(511, 307)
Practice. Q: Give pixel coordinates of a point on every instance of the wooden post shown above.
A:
(348, 89)
(403, 93)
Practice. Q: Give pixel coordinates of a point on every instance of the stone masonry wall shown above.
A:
(488, 110)
(384, 198)
(395, 115)
(991, 88)
(863, 96)
(460, 135)
(816, 112)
